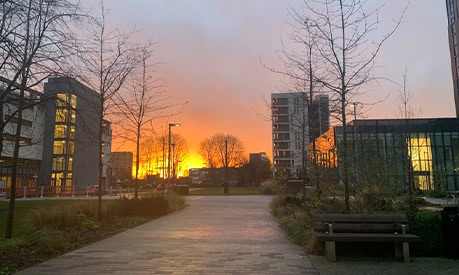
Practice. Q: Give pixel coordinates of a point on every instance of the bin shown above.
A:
(183, 189)
(450, 219)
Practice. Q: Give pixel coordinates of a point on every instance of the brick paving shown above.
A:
(213, 235)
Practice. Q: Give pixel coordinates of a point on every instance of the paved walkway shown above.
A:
(215, 234)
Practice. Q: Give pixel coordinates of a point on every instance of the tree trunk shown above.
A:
(10, 217)
(101, 165)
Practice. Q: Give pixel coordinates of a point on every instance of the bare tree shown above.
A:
(107, 60)
(36, 39)
(343, 29)
(179, 154)
(208, 152)
(404, 97)
(235, 150)
(300, 67)
(144, 102)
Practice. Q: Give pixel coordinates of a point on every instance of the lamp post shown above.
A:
(169, 151)
(173, 162)
(226, 166)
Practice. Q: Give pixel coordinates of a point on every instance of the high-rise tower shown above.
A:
(452, 8)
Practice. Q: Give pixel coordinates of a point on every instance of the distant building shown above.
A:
(452, 8)
(290, 133)
(320, 116)
(121, 165)
(199, 176)
(259, 168)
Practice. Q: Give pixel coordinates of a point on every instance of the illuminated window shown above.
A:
(72, 132)
(73, 101)
(58, 163)
(60, 131)
(71, 148)
(57, 178)
(70, 164)
(62, 99)
(61, 115)
(73, 116)
(59, 147)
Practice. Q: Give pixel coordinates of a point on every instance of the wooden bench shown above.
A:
(331, 228)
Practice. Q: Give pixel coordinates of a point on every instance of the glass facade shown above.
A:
(64, 140)
(428, 147)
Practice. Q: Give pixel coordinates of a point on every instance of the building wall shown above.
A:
(84, 169)
(320, 116)
(30, 151)
(290, 133)
(452, 8)
(430, 147)
(121, 164)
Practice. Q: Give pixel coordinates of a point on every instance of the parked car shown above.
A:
(94, 190)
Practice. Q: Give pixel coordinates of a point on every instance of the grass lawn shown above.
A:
(231, 191)
(47, 228)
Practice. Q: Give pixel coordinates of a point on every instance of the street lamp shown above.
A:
(169, 151)
(226, 166)
(173, 160)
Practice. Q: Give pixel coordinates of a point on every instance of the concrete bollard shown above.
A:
(25, 192)
(57, 189)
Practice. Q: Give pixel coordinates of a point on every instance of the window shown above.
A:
(61, 115)
(71, 147)
(70, 164)
(73, 101)
(13, 119)
(58, 163)
(73, 117)
(62, 100)
(60, 131)
(59, 147)
(72, 132)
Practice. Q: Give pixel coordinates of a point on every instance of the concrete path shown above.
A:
(215, 234)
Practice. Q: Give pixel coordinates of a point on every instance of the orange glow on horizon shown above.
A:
(193, 160)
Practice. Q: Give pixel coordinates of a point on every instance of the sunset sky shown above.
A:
(210, 51)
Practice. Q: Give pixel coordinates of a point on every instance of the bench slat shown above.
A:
(369, 237)
(361, 218)
(361, 228)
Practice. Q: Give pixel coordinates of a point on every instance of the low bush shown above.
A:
(270, 187)
(428, 226)
(146, 206)
(435, 193)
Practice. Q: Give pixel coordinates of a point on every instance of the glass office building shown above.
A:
(429, 147)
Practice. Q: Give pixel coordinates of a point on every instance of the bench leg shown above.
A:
(402, 250)
(330, 251)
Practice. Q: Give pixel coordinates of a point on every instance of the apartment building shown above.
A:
(290, 134)
(452, 8)
(59, 136)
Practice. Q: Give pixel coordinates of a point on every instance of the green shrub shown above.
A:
(49, 241)
(428, 226)
(75, 216)
(435, 193)
(270, 187)
(175, 202)
(145, 206)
